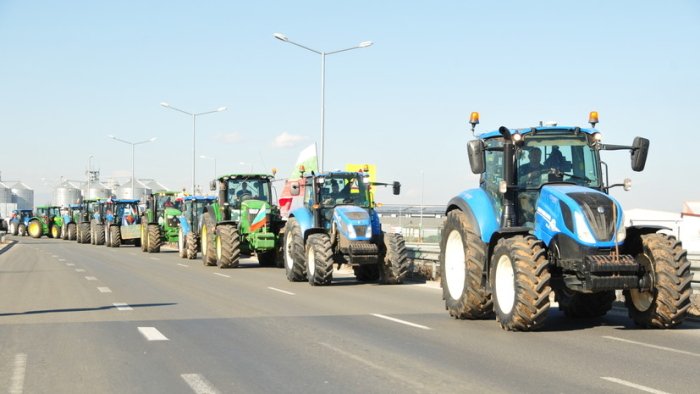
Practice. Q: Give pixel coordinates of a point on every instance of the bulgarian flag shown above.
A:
(309, 159)
(260, 219)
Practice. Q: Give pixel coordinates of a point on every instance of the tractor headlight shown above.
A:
(582, 230)
(351, 231)
(368, 232)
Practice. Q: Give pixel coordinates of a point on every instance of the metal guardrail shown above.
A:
(425, 259)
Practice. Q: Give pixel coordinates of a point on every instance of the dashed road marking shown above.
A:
(668, 349)
(61, 259)
(155, 258)
(183, 265)
(90, 278)
(104, 289)
(152, 334)
(198, 383)
(225, 276)
(54, 256)
(18, 372)
(395, 320)
(633, 385)
(281, 291)
(79, 270)
(70, 265)
(122, 306)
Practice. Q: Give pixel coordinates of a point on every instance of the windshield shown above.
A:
(344, 189)
(242, 189)
(168, 202)
(550, 159)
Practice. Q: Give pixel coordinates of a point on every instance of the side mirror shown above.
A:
(476, 156)
(294, 188)
(397, 188)
(212, 185)
(640, 148)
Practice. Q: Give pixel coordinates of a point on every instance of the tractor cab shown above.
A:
(244, 196)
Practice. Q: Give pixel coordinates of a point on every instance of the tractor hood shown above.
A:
(353, 222)
(172, 212)
(586, 215)
(254, 215)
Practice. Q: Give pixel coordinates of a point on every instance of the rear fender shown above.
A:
(633, 238)
(480, 211)
(305, 219)
(184, 225)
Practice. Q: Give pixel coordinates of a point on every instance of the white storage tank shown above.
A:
(138, 192)
(97, 190)
(66, 193)
(5, 194)
(23, 196)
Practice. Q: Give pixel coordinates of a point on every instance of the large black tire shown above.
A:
(208, 239)
(34, 229)
(108, 236)
(666, 304)
(72, 232)
(267, 258)
(228, 246)
(294, 252)
(319, 260)
(115, 236)
(99, 234)
(84, 233)
(462, 262)
(366, 272)
(584, 305)
(520, 283)
(22, 229)
(394, 260)
(192, 242)
(181, 244)
(64, 232)
(154, 238)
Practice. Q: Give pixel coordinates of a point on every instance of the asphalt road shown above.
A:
(81, 318)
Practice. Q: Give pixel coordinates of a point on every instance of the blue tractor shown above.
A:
(535, 227)
(191, 219)
(19, 221)
(337, 224)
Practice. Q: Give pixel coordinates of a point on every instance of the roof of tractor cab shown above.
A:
(337, 174)
(165, 193)
(245, 176)
(541, 129)
(200, 198)
(123, 201)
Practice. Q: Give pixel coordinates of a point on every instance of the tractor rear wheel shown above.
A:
(35, 229)
(22, 229)
(583, 305)
(181, 244)
(99, 234)
(64, 232)
(154, 238)
(84, 233)
(394, 262)
(228, 246)
(520, 283)
(462, 262)
(319, 260)
(267, 258)
(208, 246)
(294, 252)
(115, 236)
(192, 243)
(666, 304)
(72, 231)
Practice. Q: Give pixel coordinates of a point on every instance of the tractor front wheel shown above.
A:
(115, 236)
(294, 252)
(666, 304)
(72, 232)
(55, 232)
(99, 234)
(228, 246)
(13, 228)
(192, 244)
(520, 283)
(154, 238)
(35, 229)
(319, 260)
(208, 246)
(394, 263)
(181, 244)
(22, 229)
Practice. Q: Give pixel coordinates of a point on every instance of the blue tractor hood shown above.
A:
(353, 222)
(589, 216)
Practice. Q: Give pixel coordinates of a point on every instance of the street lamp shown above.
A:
(89, 175)
(133, 144)
(363, 44)
(210, 158)
(194, 132)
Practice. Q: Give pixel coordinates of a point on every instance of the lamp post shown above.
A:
(194, 133)
(363, 44)
(210, 158)
(133, 145)
(89, 175)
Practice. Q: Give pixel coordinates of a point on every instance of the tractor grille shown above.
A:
(360, 230)
(357, 215)
(598, 210)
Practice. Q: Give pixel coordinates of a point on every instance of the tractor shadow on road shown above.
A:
(616, 318)
(99, 308)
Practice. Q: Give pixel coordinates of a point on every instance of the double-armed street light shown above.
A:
(133, 145)
(194, 133)
(363, 44)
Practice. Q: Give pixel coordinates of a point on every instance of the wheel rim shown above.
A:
(311, 261)
(454, 265)
(505, 284)
(34, 229)
(203, 237)
(218, 248)
(287, 254)
(642, 300)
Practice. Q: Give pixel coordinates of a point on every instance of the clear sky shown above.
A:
(73, 72)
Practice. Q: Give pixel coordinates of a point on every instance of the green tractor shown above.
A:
(89, 210)
(193, 208)
(160, 222)
(47, 221)
(122, 222)
(69, 228)
(242, 220)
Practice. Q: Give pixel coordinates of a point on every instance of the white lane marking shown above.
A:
(395, 320)
(61, 259)
(155, 258)
(198, 384)
(122, 306)
(633, 385)
(225, 276)
(280, 290)
(79, 270)
(70, 265)
(152, 334)
(183, 265)
(668, 349)
(90, 278)
(104, 289)
(18, 373)
(54, 256)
